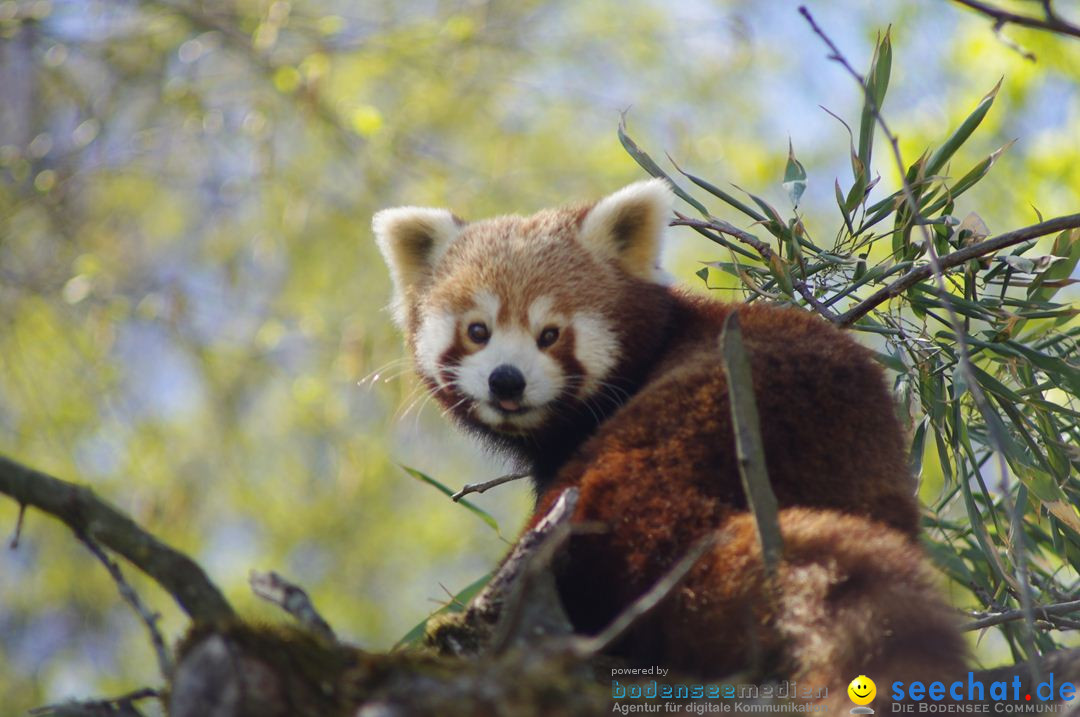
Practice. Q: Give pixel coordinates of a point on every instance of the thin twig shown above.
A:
(1015, 547)
(18, 527)
(1042, 611)
(116, 706)
(1051, 21)
(292, 599)
(150, 619)
(88, 515)
(481, 487)
(719, 225)
(588, 646)
(956, 258)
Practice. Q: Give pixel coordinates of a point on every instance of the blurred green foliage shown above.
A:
(190, 299)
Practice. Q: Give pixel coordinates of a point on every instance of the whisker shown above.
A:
(374, 375)
(414, 396)
(447, 411)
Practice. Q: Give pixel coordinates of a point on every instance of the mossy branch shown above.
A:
(89, 516)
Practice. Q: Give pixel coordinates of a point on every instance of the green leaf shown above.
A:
(945, 557)
(840, 202)
(649, 165)
(918, 447)
(414, 636)
(779, 271)
(1067, 245)
(890, 361)
(969, 180)
(722, 195)
(877, 83)
(794, 176)
(953, 143)
(445, 490)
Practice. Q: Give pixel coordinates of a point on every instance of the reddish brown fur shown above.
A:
(853, 595)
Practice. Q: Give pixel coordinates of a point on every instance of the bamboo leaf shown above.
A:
(794, 177)
(1067, 245)
(447, 491)
(649, 165)
(840, 202)
(722, 195)
(918, 447)
(781, 274)
(877, 83)
(970, 179)
(748, 445)
(958, 137)
(415, 636)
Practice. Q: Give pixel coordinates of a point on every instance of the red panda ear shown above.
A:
(411, 240)
(628, 226)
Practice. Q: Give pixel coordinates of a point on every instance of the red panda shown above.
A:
(551, 337)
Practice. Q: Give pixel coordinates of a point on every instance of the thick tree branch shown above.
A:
(487, 618)
(974, 251)
(88, 515)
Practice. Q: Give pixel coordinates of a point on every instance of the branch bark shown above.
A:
(1051, 21)
(88, 515)
(974, 251)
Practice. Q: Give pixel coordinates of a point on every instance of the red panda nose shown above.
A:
(506, 382)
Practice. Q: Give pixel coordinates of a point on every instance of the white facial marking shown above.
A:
(487, 307)
(514, 347)
(596, 348)
(541, 316)
(435, 336)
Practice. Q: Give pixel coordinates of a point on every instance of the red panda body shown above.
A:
(550, 337)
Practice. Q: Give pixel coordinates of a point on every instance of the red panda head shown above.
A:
(514, 320)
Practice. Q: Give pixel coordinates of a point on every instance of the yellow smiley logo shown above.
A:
(862, 690)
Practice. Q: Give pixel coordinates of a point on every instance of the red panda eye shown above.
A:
(547, 337)
(478, 332)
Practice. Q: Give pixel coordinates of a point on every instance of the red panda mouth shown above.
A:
(510, 407)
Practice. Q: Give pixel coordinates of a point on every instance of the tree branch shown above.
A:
(974, 251)
(88, 515)
(589, 646)
(1051, 22)
(150, 619)
(1040, 611)
(486, 485)
(491, 616)
(121, 706)
(719, 225)
(291, 598)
